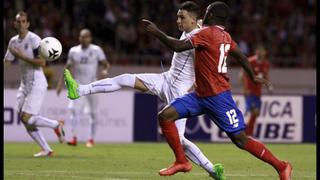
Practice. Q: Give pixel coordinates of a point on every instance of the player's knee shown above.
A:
(30, 127)
(240, 144)
(168, 113)
(25, 117)
(162, 116)
(165, 115)
(239, 140)
(126, 80)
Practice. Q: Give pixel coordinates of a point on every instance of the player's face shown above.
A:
(186, 21)
(85, 38)
(21, 24)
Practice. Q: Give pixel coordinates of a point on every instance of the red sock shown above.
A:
(170, 131)
(250, 125)
(259, 150)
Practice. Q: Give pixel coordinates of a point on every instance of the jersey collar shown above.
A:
(220, 27)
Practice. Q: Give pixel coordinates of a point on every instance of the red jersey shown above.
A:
(212, 45)
(260, 69)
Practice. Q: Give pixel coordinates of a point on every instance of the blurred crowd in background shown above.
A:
(287, 28)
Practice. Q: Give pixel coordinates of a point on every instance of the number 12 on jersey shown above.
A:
(222, 67)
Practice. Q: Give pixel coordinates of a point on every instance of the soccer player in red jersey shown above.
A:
(212, 94)
(252, 92)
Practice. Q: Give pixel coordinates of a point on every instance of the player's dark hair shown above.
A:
(191, 7)
(22, 13)
(220, 12)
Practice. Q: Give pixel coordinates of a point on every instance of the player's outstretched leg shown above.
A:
(196, 156)
(107, 85)
(169, 130)
(260, 151)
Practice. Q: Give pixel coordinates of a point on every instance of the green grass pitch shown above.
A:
(143, 160)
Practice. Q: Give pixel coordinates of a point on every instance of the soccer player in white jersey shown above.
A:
(84, 60)
(33, 85)
(167, 86)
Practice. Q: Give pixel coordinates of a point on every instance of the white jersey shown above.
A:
(181, 73)
(31, 76)
(85, 62)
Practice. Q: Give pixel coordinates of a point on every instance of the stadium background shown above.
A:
(286, 28)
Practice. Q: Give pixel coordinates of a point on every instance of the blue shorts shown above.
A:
(252, 102)
(221, 109)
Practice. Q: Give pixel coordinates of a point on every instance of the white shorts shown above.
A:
(85, 104)
(29, 100)
(158, 84)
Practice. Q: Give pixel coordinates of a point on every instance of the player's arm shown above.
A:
(8, 57)
(105, 69)
(266, 76)
(243, 60)
(173, 43)
(241, 77)
(68, 66)
(61, 79)
(37, 61)
(241, 81)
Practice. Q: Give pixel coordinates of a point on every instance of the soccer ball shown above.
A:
(50, 48)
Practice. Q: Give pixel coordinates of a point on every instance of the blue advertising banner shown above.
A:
(145, 117)
(283, 119)
(309, 118)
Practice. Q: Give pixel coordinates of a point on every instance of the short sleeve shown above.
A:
(201, 38)
(35, 45)
(101, 55)
(36, 42)
(9, 56)
(70, 57)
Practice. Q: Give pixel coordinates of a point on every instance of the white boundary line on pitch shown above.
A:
(142, 173)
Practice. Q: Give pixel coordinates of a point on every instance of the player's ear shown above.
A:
(28, 24)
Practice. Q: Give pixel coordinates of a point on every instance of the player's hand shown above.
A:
(270, 89)
(104, 74)
(262, 81)
(16, 52)
(150, 26)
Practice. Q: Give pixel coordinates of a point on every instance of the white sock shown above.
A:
(92, 129)
(107, 85)
(196, 156)
(74, 123)
(38, 137)
(191, 150)
(40, 121)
